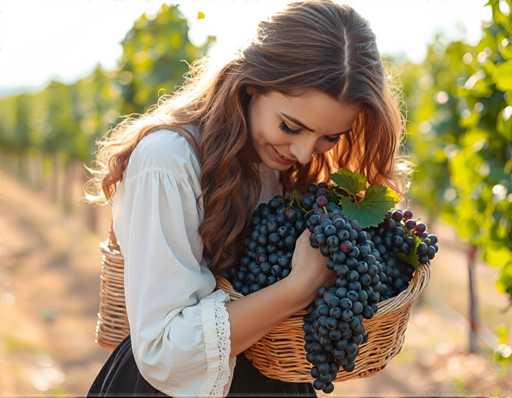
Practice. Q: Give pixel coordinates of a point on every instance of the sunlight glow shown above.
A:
(65, 39)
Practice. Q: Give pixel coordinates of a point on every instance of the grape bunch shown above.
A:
(397, 234)
(333, 326)
(366, 261)
(268, 247)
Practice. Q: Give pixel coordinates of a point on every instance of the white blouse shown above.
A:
(179, 325)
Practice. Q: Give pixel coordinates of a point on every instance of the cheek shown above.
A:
(265, 128)
(267, 133)
(259, 128)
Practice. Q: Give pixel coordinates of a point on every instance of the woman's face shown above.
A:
(286, 129)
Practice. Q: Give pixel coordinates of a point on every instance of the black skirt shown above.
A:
(120, 376)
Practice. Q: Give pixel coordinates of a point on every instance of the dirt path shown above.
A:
(49, 285)
(49, 297)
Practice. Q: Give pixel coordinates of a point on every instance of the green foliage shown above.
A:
(68, 119)
(100, 101)
(156, 56)
(351, 182)
(371, 209)
(60, 123)
(22, 127)
(503, 352)
(460, 133)
(16, 132)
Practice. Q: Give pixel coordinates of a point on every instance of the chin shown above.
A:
(282, 166)
(278, 167)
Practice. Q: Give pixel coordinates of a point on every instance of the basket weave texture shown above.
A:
(280, 353)
(112, 324)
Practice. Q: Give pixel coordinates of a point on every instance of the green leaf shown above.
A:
(503, 76)
(349, 181)
(371, 210)
(411, 258)
(502, 333)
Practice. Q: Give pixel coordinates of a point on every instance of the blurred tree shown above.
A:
(460, 131)
(59, 128)
(22, 141)
(156, 55)
(101, 101)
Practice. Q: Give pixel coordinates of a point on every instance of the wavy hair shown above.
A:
(312, 44)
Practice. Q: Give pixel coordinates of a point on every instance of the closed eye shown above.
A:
(331, 138)
(283, 126)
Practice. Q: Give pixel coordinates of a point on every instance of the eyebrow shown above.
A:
(304, 126)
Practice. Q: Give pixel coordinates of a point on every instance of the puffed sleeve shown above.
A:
(179, 326)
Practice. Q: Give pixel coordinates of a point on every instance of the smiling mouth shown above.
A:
(282, 158)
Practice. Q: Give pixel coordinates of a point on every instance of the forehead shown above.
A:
(315, 109)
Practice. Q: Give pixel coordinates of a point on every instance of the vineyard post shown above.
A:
(474, 322)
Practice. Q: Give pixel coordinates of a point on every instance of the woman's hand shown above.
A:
(309, 270)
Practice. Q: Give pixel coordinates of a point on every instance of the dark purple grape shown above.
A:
(347, 315)
(410, 224)
(318, 385)
(353, 295)
(431, 252)
(329, 230)
(321, 201)
(328, 388)
(346, 246)
(433, 238)
(408, 214)
(422, 249)
(314, 219)
(397, 215)
(333, 241)
(420, 228)
(346, 303)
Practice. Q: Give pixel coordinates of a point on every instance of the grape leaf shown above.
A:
(411, 258)
(371, 210)
(351, 182)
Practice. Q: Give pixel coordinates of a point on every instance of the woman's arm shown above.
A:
(253, 315)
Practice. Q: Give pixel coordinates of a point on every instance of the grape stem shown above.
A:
(307, 211)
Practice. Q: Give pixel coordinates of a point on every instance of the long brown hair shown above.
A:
(313, 44)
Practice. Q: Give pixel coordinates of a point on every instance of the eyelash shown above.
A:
(284, 127)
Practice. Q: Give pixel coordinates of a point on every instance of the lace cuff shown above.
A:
(216, 326)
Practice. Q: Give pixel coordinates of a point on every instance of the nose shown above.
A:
(303, 149)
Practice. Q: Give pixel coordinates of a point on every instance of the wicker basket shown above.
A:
(112, 324)
(280, 353)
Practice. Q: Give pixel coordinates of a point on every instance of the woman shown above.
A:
(308, 96)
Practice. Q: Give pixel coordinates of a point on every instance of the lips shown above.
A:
(281, 158)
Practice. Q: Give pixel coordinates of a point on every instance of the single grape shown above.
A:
(397, 215)
(420, 227)
(410, 224)
(408, 214)
(321, 201)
